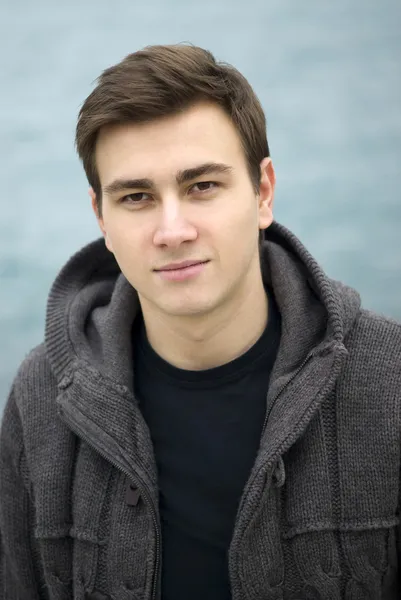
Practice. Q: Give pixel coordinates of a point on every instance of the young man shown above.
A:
(209, 416)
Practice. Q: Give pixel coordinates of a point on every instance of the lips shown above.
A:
(182, 265)
(184, 271)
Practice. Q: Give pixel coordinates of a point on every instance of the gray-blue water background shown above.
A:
(328, 75)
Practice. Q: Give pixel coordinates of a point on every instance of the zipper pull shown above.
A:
(132, 494)
(279, 473)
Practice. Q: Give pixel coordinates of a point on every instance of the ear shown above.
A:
(99, 218)
(266, 193)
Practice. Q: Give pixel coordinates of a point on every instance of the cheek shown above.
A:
(235, 243)
(127, 241)
(239, 221)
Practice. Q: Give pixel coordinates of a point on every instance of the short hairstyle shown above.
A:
(163, 80)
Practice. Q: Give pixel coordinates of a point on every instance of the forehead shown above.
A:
(202, 133)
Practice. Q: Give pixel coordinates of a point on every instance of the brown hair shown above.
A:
(162, 80)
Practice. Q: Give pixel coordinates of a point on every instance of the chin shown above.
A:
(188, 309)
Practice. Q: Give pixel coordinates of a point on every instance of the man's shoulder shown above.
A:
(369, 317)
(374, 354)
(381, 331)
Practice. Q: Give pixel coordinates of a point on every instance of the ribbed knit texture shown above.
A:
(319, 516)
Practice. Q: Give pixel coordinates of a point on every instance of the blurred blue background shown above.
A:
(328, 75)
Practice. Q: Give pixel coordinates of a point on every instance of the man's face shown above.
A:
(177, 189)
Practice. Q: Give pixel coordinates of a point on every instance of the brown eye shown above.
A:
(136, 198)
(204, 186)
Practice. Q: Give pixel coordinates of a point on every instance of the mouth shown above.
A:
(182, 271)
(182, 265)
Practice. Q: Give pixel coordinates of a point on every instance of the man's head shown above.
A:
(174, 147)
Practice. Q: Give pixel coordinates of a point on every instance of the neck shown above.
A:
(211, 340)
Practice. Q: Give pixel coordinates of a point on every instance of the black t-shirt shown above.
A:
(206, 428)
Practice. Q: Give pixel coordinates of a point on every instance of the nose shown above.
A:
(173, 228)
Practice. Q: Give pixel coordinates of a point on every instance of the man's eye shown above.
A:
(204, 186)
(134, 198)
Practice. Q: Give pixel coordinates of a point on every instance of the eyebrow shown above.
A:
(119, 185)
